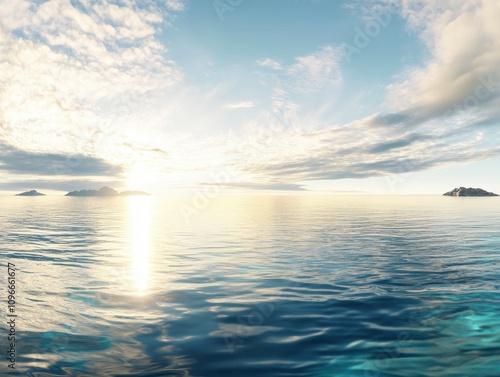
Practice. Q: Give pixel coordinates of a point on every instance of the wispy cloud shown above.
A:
(305, 88)
(358, 150)
(270, 63)
(314, 72)
(71, 59)
(95, 83)
(240, 105)
(265, 186)
(317, 71)
(73, 72)
(437, 115)
(176, 5)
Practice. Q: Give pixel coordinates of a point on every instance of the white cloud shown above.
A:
(269, 155)
(13, 13)
(73, 69)
(240, 105)
(463, 39)
(317, 71)
(440, 111)
(302, 91)
(176, 5)
(270, 63)
(74, 75)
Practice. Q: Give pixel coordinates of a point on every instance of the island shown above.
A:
(462, 191)
(31, 193)
(105, 191)
(133, 193)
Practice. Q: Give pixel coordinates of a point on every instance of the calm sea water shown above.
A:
(254, 286)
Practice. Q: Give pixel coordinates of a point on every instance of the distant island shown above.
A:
(133, 193)
(105, 191)
(462, 191)
(31, 193)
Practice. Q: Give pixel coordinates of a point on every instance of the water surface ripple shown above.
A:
(255, 286)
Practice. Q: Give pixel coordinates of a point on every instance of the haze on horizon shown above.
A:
(377, 96)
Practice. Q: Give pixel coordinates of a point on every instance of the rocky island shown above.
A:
(105, 191)
(30, 193)
(462, 191)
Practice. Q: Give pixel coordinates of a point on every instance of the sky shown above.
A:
(374, 96)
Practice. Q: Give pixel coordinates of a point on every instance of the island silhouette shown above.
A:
(462, 191)
(31, 193)
(105, 191)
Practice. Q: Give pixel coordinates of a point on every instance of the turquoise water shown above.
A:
(254, 286)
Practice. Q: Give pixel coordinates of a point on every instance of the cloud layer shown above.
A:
(93, 85)
(15, 161)
(70, 74)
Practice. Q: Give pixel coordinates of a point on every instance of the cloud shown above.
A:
(462, 73)
(318, 70)
(310, 73)
(266, 186)
(355, 150)
(70, 74)
(58, 184)
(16, 161)
(240, 105)
(67, 69)
(395, 144)
(176, 5)
(94, 52)
(270, 63)
(366, 9)
(305, 89)
(442, 113)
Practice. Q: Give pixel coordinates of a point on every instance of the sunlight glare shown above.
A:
(138, 178)
(140, 242)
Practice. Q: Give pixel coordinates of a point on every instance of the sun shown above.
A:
(138, 178)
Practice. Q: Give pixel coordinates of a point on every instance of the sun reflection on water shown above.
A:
(139, 216)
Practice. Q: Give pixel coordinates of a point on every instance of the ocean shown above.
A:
(291, 285)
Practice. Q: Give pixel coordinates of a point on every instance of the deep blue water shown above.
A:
(254, 286)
